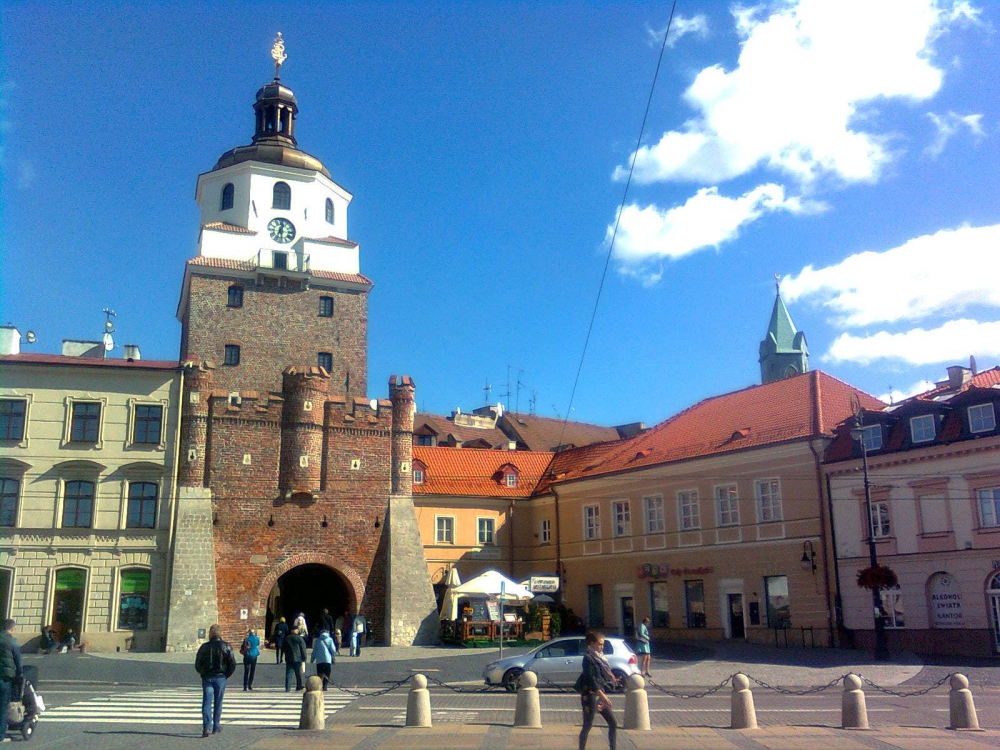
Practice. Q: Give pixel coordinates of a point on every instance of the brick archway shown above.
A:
(355, 585)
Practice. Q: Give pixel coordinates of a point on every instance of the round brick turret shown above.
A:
(198, 378)
(305, 394)
(401, 392)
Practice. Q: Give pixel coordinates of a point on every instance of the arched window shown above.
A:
(329, 211)
(282, 196)
(228, 192)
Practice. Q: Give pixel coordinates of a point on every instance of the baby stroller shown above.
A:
(26, 704)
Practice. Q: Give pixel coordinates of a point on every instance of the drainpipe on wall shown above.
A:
(822, 532)
(838, 601)
(510, 539)
(559, 571)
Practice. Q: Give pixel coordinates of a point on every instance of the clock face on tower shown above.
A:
(281, 230)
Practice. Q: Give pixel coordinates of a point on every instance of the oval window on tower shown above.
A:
(282, 196)
(329, 211)
(228, 192)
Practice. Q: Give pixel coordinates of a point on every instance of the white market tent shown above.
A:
(484, 586)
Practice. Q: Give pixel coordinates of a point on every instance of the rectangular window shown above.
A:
(133, 606)
(933, 513)
(141, 505)
(485, 531)
(326, 307)
(871, 436)
(148, 424)
(12, 419)
(658, 604)
(592, 522)
(880, 519)
(779, 612)
(989, 506)
(654, 514)
(86, 423)
(694, 602)
(235, 296)
(690, 515)
(445, 530)
(427, 440)
(623, 518)
(546, 531)
(280, 261)
(595, 605)
(78, 505)
(727, 505)
(768, 500)
(8, 505)
(922, 428)
(232, 355)
(325, 360)
(418, 476)
(511, 480)
(892, 608)
(982, 418)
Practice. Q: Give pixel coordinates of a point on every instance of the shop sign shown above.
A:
(662, 570)
(544, 584)
(946, 602)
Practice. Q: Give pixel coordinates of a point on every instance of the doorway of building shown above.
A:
(595, 605)
(308, 589)
(993, 595)
(67, 604)
(628, 617)
(736, 628)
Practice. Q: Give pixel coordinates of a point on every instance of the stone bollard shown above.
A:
(743, 714)
(313, 706)
(963, 709)
(853, 711)
(636, 704)
(527, 710)
(418, 703)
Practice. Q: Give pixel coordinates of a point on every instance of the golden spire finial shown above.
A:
(278, 53)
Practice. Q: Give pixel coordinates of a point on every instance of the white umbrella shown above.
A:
(489, 584)
(449, 604)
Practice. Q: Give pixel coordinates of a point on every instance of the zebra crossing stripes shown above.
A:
(182, 707)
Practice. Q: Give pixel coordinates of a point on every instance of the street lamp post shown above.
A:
(858, 433)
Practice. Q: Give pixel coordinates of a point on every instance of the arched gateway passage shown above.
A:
(308, 588)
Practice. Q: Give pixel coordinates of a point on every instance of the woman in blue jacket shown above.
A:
(324, 650)
(250, 650)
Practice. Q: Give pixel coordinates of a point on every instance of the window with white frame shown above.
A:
(418, 474)
(623, 518)
(546, 531)
(922, 428)
(654, 514)
(982, 418)
(445, 530)
(78, 504)
(690, 515)
(880, 519)
(511, 479)
(989, 506)
(727, 505)
(892, 608)
(485, 531)
(871, 436)
(768, 500)
(592, 522)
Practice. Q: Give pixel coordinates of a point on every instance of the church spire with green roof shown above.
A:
(783, 352)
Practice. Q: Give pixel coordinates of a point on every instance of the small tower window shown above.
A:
(235, 296)
(325, 360)
(228, 192)
(329, 211)
(282, 196)
(232, 355)
(326, 307)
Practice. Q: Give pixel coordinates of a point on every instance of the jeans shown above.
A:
(324, 670)
(249, 670)
(355, 644)
(6, 691)
(589, 702)
(213, 688)
(278, 643)
(290, 667)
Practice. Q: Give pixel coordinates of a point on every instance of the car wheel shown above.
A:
(621, 679)
(510, 678)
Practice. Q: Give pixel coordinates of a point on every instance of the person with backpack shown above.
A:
(250, 649)
(323, 655)
(215, 663)
(278, 636)
(593, 684)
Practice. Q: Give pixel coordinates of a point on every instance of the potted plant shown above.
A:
(877, 577)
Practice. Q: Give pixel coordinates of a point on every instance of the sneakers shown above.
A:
(204, 733)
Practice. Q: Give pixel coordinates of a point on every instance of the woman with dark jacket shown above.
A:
(594, 683)
(250, 650)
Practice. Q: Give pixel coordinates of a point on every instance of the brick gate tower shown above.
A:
(287, 468)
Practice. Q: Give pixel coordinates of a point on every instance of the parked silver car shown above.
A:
(561, 661)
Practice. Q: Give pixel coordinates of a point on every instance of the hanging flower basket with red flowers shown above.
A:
(877, 577)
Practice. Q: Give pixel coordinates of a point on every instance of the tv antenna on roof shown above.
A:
(487, 389)
(109, 328)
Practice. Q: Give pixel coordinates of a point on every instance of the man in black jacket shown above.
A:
(215, 663)
(10, 672)
(295, 659)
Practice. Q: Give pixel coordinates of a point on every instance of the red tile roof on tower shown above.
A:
(221, 226)
(247, 265)
(450, 471)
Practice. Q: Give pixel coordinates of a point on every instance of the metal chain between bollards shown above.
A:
(373, 693)
(459, 689)
(806, 691)
(909, 694)
(687, 696)
(550, 683)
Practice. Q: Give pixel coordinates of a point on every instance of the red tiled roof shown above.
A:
(458, 471)
(221, 226)
(546, 434)
(59, 359)
(791, 409)
(333, 241)
(354, 278)
(246, 265)
(984, 379)
(444, 427)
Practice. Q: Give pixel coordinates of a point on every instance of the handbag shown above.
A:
(244, 647)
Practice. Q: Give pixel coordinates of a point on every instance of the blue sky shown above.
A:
(849, 147)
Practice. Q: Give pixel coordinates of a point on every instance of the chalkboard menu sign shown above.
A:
(493, 608)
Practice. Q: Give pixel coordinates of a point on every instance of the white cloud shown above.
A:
(895, 395)
(680, 27)
(952, 342)
(791, 103)
(705, 221)
(936, 273)
(948, 125)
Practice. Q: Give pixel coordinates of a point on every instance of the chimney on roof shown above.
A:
(132, 352)
(958, 376)
(10, 340)
(88, 349)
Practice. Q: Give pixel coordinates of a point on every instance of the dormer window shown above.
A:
(982, 418)
(419, 472)
(282, 198)
(329, 211)
(228, 194)
(922, 428)
(510, 479)
(507, 475)
(872, 437)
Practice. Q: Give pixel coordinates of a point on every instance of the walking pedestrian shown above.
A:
(250, 650)
(215, 663)
(341, 630)
(10, 672)
(295, 659)
(278, 636)
(323, 655)
(643, 647)
(300, 623)
(594, 682)
(326, 622)
(359, 627)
